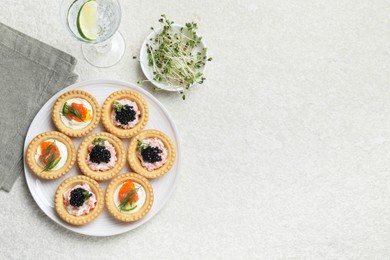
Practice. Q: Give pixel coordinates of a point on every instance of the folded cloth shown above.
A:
(30, 73)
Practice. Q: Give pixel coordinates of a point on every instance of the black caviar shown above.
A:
(77, 197)
(125, 115)
(99, 154)
(151, 154)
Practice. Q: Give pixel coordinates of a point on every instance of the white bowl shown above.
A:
(148, 70)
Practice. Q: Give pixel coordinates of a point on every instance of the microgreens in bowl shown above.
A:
(176, 56)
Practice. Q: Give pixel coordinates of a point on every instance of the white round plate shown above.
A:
(143, 57)
(104, 225)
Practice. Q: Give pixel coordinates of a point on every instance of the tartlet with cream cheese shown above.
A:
(151, 153)
(129, 197)
(101, 156)
(125, 113)
(79, 200)
(76, 113)
(51, 155)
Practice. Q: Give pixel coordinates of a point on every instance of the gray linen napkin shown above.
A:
(30, 73)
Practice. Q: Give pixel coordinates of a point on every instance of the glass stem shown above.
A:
(103, 47)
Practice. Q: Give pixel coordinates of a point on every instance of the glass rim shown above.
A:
(64, 18)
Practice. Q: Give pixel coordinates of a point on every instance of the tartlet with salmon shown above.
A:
(151, 153)
(51, 155)
(129, 197)
(79, 200)
(76, 113)
(101, 156)
(125, 113)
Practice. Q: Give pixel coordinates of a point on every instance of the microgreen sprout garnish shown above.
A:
(98, 141)
(142, 145)
(86, 195)
(118, 106)
(172, 56)
(127, 200)
(71, 111)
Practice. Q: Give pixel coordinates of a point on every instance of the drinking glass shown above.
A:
(95, 23)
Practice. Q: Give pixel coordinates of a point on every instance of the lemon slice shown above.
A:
(87, 21)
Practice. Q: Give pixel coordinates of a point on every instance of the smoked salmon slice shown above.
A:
(125, 189)
(47, 150)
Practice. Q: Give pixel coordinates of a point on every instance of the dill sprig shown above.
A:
(71, 111)
(86, 195)
(142, 145)
(51, 163)
(48, 149)
(98, 141)
(118, 106)
(172, 58)
(127, 199)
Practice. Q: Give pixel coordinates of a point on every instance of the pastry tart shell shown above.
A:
(110, 193)
(59, 200)
(56, 113)
(101, 175)
(108, 107)
(135, 162)
(52, 174)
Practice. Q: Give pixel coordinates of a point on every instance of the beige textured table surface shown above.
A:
(286, 147)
